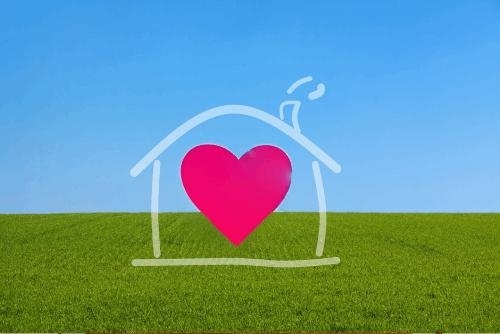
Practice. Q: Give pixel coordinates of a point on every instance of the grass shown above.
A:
(408, 272)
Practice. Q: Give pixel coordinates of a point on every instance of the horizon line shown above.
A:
(278, 212)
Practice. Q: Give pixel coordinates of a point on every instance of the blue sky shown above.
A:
(412, 108)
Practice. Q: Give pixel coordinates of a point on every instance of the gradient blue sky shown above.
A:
(412, 109)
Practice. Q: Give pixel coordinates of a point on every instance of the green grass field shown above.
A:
(408, 272)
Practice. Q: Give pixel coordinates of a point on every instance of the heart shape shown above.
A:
(236, 195)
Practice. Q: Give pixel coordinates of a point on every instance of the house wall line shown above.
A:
(155, 198)
(320, 191)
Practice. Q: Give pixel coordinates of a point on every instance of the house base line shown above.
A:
(327, 261)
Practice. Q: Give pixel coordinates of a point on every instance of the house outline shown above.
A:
(243, 110)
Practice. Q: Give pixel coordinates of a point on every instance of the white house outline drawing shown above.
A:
(293, 132)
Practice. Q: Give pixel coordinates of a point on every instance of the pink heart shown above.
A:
(236, 195)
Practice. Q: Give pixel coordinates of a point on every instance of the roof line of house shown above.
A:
(173, 136)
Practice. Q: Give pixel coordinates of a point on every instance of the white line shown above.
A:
(234, 110)
(298, 83)
(319, 92)
(295, 117)
(155, 194)
(236, 262)
(320, 190)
